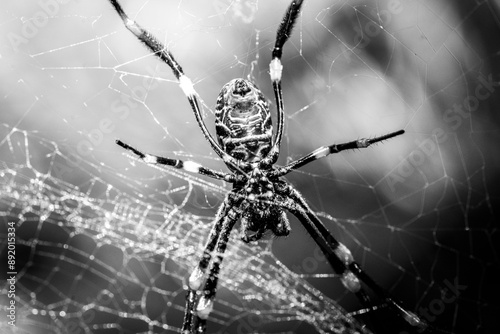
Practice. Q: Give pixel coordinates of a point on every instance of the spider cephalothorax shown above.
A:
(243, 121)
(260, 195)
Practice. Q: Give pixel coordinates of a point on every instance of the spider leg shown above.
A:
(275, 70)
(199, 302)
(188, 166)
(335, 148)
(340, 257)
(185, 83)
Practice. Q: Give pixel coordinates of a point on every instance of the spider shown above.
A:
(260, 195)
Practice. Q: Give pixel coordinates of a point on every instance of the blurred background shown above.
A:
(104, 242)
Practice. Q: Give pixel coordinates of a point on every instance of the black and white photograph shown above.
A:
(249, 166)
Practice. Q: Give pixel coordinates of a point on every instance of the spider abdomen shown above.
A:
(243, 121)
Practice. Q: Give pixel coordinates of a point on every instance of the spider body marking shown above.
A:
(244, 130)
(243, 121)
(260, 196)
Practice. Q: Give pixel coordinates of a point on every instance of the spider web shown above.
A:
(104, 243)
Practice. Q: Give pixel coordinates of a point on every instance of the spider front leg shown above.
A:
(324, 151)
(188, 166)
(202, 283)
(159, 50)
